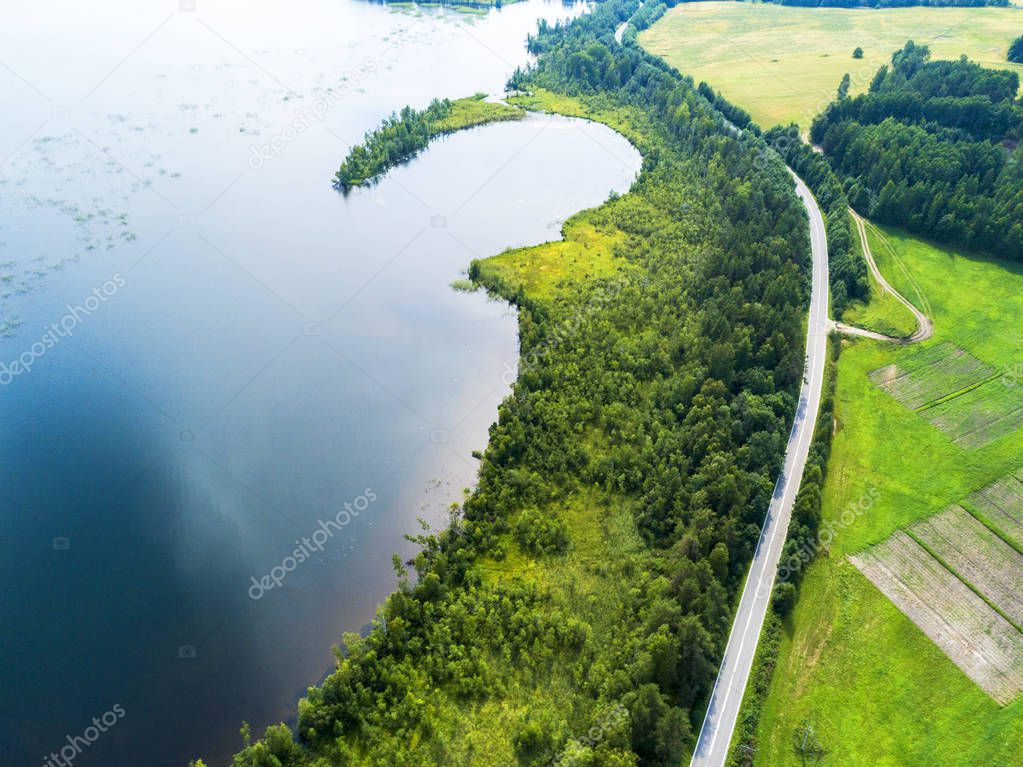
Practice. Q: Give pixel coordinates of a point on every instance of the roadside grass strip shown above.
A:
(980, 415)
(931, 374)
(1000, 506)
(983, 644)
(980, 558)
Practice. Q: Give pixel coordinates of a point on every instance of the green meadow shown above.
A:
(877, 691)
(783, 63)
(883, 313)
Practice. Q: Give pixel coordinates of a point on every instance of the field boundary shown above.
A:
(965, 390)
(971, 633)
(924, 323)
(979, 515)
(984, 638)
(957, 574)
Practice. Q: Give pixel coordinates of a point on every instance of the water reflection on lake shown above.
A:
(270, 350)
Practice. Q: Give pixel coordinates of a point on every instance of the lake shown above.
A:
(227, 391)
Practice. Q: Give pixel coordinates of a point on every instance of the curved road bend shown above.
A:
(723, 710)
(924, 325)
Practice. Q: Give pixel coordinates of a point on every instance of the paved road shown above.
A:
(621, 27)
(719, 724)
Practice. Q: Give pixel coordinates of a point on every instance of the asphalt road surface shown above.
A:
(723, 711)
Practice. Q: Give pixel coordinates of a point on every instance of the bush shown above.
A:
(858, 53)
(784, 598)
(1016, 50)
(538, 533)
(533, 741)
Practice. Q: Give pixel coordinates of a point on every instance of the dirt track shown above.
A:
(924, 325)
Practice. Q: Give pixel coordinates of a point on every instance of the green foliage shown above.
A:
(533, 740)
(803, 542)
(858, 53)
(848, 653)
(923, 149)
(1015, 53)
(806, 744)
(277, 748)
(735, 115)
(403, 135)
(843, 87)
(847, 269)
(539, 533)
(744, 740)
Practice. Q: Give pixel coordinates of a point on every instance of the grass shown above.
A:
(783, 64)
(883, 313)
(850, 662)
(981, 415)
(475, 110)
(931, 375)
(585, 252)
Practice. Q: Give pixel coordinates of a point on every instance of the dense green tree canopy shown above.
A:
(928, 148)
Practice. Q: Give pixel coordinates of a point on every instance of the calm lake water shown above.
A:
(218, 351)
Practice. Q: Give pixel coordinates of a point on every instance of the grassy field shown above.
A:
(877, 691)
(883, 313)
(783, 64)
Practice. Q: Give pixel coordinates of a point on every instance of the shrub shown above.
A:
(1016, 50)
(538, 533)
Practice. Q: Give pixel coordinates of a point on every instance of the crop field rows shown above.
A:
(1001, 506)
(956, 392)
(978, 556)
(930, 375)
(961, 583)
(987, 648)
(979, 416)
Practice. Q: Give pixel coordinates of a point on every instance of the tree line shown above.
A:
(403, 135)
(927, 148)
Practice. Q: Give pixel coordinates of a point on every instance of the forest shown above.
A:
(847, 271)
(930, 147)
(573, 610)
(403, 135)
